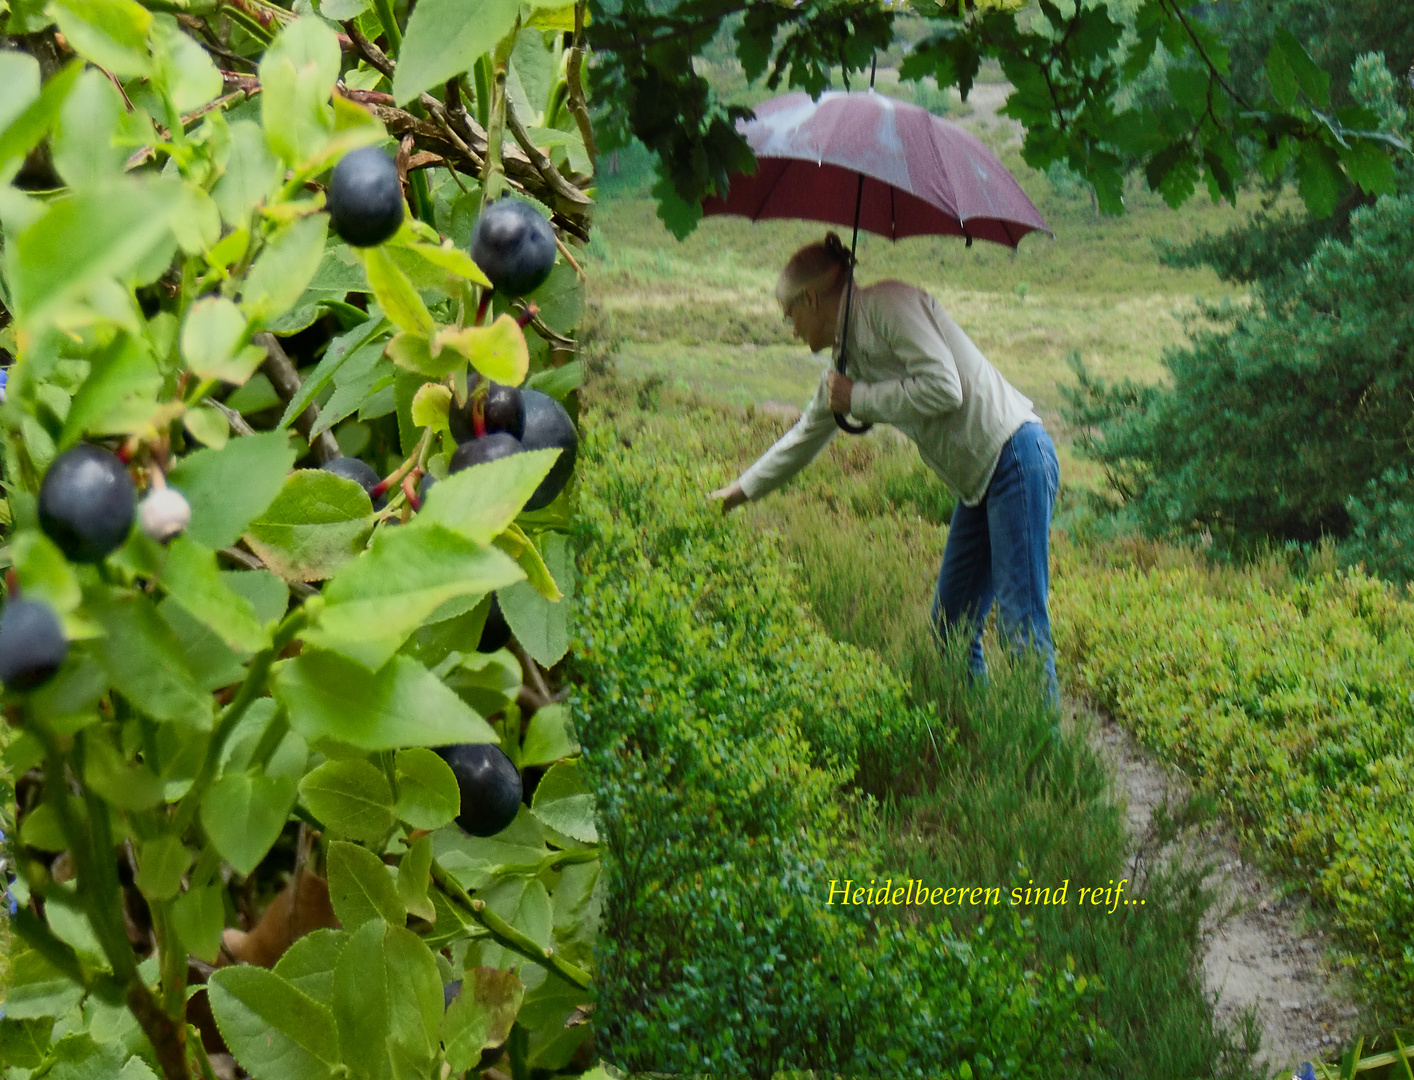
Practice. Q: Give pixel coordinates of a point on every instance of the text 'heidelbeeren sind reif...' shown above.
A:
(1110, 897)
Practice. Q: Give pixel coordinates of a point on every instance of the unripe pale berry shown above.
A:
(165, 513)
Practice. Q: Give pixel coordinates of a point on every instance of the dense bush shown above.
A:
(721, 731)
(1290, 706)
(1277, 422)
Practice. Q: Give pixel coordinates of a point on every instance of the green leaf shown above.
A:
(192, 580)
(251, 174)
(1370, 167)
(199, 916)
(540, 625)
(316, 524)
(42, 571)
(35, 988)
(497, 351)
(548, 738)
(415, 1002)
(395, 293)
(375, 602)
(1315, 83)
(111, 33)
(361, 1006)
(267, 593)
(560, 299)
(309, 964)
(243, 815)
(430, 406)
(19, 74)
(1320, 178)
(360, 887)
(85, 152)
(352, 798)
(414, 872)
(146, 663)
(184, 68)
(212, 338)
(118, 397)
(428, 794)
(564, 802)
(444, 38)
(1281, 77)
(342, 348)
(33, 114)
(207, 426)
(481, 1015)
(230, 487)
(275, 1031)
(525, 904)
(108, 772)
(515, 543)
(161, 863)
(479, 502)
(401, 705)
(297, 73)
(104, 231)
(284, 268)
(339, 274)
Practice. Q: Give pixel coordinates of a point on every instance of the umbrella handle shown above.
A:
(843, 424)
(853, 429)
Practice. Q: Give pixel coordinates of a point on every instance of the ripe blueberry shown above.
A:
(87, 502)
(514, 246)
(503, 410)
(490, 786)
(32, 644)
(547, 425)
(480, 451)
(163, 514)
(365, 197)
(496, 632)
(361, 473)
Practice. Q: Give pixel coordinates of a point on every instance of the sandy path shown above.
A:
(1264, 951)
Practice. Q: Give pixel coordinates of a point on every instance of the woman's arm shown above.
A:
(795, 449)
(930, 386)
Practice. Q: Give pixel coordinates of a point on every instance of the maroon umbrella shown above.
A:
(880, 164)
(921, 175)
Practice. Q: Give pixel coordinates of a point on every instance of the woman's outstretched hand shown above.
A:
(731, 497)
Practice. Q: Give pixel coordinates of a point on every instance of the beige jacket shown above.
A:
(914, 368)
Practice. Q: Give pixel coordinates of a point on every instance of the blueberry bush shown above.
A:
(258, 619)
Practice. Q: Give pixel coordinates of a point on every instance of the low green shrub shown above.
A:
(730, 744)
(1290, 705)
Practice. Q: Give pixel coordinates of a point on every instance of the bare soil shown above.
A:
(1266, 950)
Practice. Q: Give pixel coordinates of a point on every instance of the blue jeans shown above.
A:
(1000, 550)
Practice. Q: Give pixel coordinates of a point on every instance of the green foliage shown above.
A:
(1073, 70)
(253, 700)
(1289, 705)
(1275, 423)
(726, 738)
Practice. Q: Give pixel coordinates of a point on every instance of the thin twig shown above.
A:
(543, 165)
(236, 420)
(286, 380)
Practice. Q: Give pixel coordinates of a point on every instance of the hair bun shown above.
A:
(835, 247)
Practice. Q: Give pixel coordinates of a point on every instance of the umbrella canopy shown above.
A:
(922, 175)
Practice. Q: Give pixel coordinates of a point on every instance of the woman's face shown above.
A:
(811, 322)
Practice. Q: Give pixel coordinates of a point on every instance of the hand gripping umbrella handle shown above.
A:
(839, 417)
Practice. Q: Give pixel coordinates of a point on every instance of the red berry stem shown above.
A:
(408, 490)
(12, 584)
(483, 306)
(527, 315)
(478, 415)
